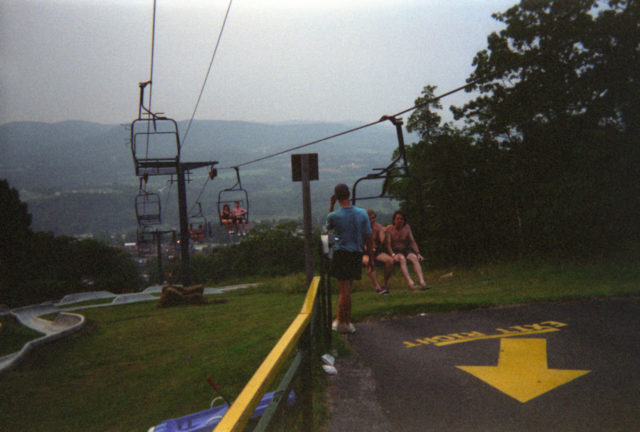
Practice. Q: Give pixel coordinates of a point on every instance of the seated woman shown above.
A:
(226, 218)
(404, 248)
(381, 258)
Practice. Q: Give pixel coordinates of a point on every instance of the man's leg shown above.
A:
(371, 272)
(344, 302)
(399, 258)
(388, 268)
(417, 268)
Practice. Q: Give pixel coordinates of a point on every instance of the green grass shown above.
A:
(498, 284)
(136, 365)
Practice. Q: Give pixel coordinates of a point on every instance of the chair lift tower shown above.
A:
(155, 147)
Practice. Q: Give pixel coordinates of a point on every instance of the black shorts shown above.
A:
(346, 265)
(376, 261)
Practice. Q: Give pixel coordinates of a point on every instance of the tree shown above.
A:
(15, 221)
(464, 212)
(265, 251)
(548, 158)
(550, 146)
(15, 236)
(35, 267)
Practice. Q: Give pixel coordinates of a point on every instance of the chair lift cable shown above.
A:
(206, 77)
(197, 200)
(382, 119)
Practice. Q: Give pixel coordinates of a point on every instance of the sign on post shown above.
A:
(311, 163)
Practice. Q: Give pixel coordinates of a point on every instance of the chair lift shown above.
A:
(233, 194)
(392, 171)
(198, 225)
(148, 207)
(155, 144)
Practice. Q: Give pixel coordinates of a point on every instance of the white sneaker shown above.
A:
(334, 325)
(331, 370)
(328, 359)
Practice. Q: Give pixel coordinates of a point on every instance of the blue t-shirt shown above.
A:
(351, 225)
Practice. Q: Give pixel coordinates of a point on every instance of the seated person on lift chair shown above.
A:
(237, 215)
(226, 218)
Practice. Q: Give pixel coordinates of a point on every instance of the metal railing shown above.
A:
(298, 334)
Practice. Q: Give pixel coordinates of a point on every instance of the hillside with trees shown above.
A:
(38, 266)
(78, 177)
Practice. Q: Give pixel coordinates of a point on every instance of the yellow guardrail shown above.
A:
(240, 411)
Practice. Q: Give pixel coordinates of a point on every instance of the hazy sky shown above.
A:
(278, 60)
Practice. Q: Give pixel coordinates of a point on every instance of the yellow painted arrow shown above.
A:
(522, 370)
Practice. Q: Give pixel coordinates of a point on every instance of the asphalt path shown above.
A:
(572, 366)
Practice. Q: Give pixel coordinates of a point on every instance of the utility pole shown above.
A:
(184, 227)
(183, 168)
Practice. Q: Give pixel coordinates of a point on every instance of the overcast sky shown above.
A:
(278, 60)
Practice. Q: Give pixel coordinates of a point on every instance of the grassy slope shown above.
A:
(136, 365)
(499, 284)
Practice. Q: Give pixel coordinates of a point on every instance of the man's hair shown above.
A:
(399, 212)
(342, 191)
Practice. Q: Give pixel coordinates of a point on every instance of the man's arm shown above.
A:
(414, 245)
(333, 202)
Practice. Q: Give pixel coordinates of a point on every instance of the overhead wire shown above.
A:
(153, 32)
(382, 119)
(213, 56)
(197, 200)
(288, 150)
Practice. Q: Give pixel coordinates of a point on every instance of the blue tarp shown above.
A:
(205, 421)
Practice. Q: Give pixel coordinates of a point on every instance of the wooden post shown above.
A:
(158, 235)
(304, 169)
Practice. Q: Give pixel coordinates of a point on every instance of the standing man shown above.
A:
(352, 229)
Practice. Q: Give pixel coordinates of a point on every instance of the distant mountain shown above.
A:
(78, 177)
